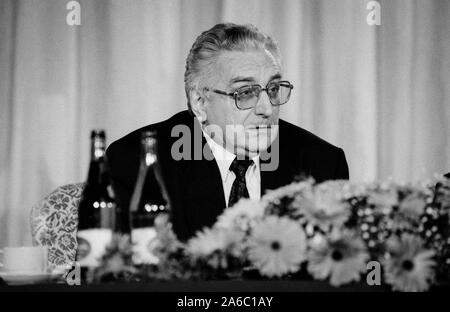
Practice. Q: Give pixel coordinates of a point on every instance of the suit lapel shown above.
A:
(271, 179)
(203, 192)
(288, 164)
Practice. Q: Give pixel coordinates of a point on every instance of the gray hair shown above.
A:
(222, 37)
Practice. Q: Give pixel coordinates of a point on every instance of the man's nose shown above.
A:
(263, 106)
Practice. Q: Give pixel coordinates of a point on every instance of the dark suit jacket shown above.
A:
(195, 186)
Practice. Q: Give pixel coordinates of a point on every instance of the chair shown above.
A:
(54, 222)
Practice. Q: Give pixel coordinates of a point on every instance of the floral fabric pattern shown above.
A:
(54, 222)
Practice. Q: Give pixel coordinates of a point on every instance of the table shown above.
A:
(265, 286)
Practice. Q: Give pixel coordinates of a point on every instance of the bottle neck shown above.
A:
(148, 152)
(148, 159)
(98, 148)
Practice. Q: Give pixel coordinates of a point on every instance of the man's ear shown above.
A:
(198, 105)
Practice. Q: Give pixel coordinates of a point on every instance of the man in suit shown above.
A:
(230, 143)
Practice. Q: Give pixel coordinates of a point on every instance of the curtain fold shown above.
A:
(382, 93)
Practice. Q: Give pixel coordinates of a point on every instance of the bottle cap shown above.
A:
(98, 133)
(148, 134)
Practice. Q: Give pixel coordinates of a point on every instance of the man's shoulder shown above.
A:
(298, 137)
(315, 157)
(162, 127)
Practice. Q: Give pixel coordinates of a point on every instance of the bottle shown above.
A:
(148, 201)
(97, 207)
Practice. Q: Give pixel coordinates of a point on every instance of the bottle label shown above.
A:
(92, 245)
(144, 242)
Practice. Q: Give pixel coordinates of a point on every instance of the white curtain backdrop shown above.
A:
(382, 93)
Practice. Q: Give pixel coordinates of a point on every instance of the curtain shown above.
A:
(382, 93)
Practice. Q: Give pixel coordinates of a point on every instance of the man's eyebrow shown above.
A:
(251, 79)
(241, 79)
(276, 76)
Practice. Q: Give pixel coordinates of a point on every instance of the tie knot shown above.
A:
(239, 167)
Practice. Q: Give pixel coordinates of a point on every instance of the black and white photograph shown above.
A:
(224, 152)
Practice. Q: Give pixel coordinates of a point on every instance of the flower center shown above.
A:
(337, 255)
(275, 246)
(408, 265)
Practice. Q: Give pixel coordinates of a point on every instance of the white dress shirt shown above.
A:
(224, 159)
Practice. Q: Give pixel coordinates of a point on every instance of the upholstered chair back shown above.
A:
(54, 222)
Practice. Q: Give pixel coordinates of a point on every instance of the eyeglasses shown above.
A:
(247, 97)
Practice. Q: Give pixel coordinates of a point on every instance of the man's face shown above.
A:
(244, 132)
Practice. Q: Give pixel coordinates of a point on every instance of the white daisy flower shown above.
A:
(323, 206)
(211, 240)
(412, 206)
(342, 258)
(277, 246)
(290, 190)
(241, 215)
(384, 199)
(409, 266)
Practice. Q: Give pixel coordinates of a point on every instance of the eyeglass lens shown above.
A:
(248, 96)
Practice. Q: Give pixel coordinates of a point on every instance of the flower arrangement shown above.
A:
(328, 231)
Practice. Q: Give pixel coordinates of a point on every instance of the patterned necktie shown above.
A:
(239, 188)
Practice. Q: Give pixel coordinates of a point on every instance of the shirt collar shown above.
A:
(224, 158)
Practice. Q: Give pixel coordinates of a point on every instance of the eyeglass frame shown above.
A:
(235, 93)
